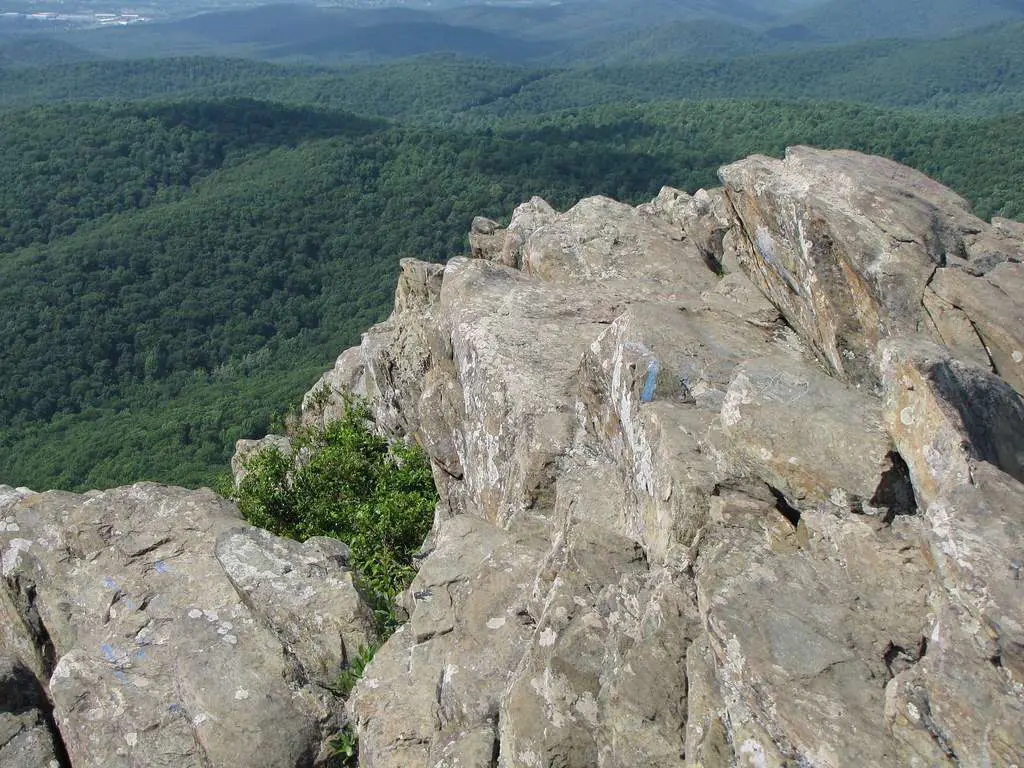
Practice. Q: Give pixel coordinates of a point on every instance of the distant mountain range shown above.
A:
(535, 32)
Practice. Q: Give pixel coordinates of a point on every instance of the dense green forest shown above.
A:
(186, 243)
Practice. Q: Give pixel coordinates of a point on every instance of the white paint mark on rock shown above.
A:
(230, 639)
(241, 694)
(195, 613)
(547, 638)
(907, 416)
(496, 623)
(131, 739)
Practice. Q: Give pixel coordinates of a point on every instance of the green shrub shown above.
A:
(344, 481)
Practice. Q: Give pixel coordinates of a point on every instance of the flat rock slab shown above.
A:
(809, 436)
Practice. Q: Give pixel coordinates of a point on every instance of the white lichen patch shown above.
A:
(754, 754)
(739, 394)
(547, 637)
(586, 705)
(11, 559)
(241, 694)
(131, 739)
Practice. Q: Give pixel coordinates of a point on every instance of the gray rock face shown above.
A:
(729, 479)
(845, 246)
(154, 620)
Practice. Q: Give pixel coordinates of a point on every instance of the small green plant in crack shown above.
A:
(344, 748)
(353, 673)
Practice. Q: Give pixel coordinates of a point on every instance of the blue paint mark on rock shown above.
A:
(161, 567)
(109, 583)
(653, 368)
(108, 651)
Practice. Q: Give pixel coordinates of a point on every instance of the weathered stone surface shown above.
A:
(844, 245)
(811, 438)
(526, 219)
(303, 592)
(652, 384)
(963, 701)
(150, 654)
(434, 690)
(486, 239)
(994, 304)
(601, 239)
(800, 638)
(26, 738)
(325, 402)
(946, 414)
(704, 219)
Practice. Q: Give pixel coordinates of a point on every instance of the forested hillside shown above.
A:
(186, 242)
(977, 73)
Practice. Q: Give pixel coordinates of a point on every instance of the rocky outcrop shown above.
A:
(152, 627)
(729, 479)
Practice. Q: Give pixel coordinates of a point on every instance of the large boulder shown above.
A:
(845, 246)
(167, 633)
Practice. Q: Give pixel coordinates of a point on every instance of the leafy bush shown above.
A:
(344, 481)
